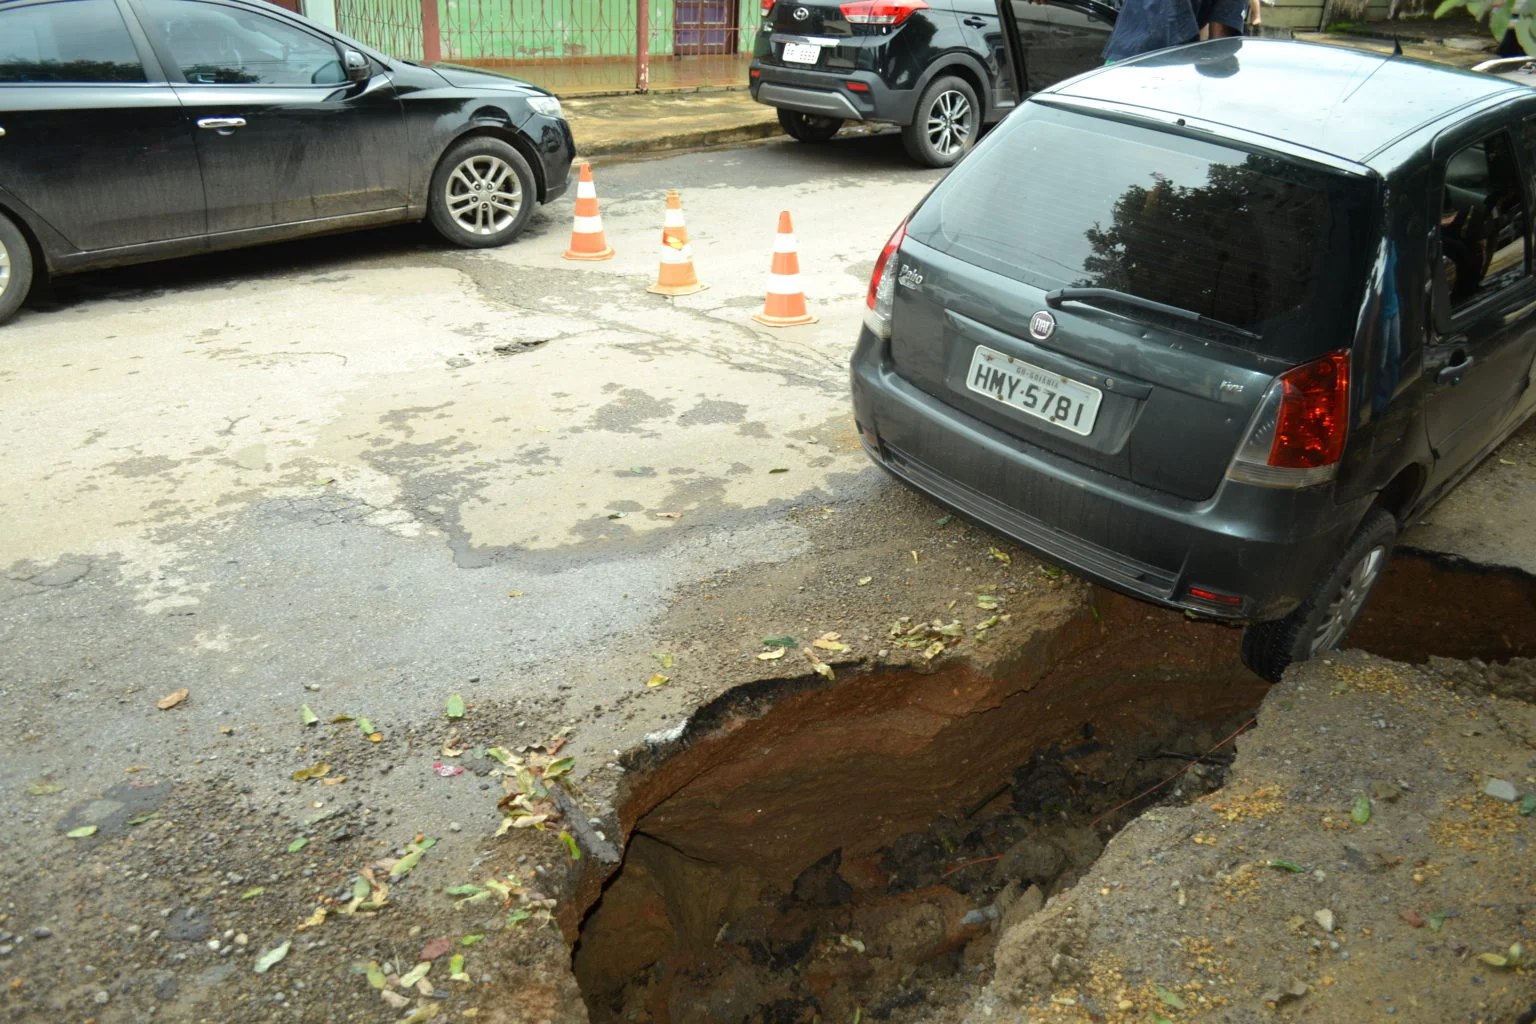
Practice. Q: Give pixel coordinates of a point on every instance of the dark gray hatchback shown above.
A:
(1210, 325)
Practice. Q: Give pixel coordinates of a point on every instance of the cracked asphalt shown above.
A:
(318, 472)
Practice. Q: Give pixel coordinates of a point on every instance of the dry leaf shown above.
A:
(669, 515)
(829, 642)
(658, 680)
(514, 593)
(820, 667)
(338, 780)
(170, 700)
(313, 920)
(314, 771)
(1001, 556)
(863, 581)
(773, 655)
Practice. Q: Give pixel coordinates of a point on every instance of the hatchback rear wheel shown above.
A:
(15, 268)
(1326, 617)
(808, 127)
(946, 123)
(482, 193)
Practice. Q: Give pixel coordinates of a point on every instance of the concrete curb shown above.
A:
(682, 141)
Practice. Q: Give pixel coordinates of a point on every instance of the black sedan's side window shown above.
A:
(1484, 223)
(214, 44)
(71, 42)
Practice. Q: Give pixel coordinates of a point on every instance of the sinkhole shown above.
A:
(910, 815)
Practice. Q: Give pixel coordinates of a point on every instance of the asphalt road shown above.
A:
(316, 472)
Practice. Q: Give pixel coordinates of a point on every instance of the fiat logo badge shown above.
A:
(1042, 325)
(801, 14)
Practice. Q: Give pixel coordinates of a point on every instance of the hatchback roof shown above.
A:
(1346, 103)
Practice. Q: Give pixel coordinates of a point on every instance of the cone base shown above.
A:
(572, 254)
(675, 289)
(783, 321)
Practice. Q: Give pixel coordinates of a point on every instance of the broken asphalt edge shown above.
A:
(680, 141)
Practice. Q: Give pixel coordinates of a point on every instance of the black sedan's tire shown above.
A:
(808, 127)
(946, 123)
(483, 193)
(15, 268)
(1324, 619)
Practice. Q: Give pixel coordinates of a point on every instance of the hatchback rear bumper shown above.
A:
(1267, 547)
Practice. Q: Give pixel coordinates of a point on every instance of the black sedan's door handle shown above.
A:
(975, 22)
(1452, 374)
(221, 123)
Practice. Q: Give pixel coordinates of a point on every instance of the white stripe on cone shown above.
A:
(588, 225)
(586, 190)
(673, 218)
(783, 284)
(671, 255)
(783, 243)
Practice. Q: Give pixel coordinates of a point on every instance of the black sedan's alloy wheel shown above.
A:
(482, 193)
(15, 268)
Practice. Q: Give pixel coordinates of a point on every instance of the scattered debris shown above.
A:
(83, 832)
(171, 699)
(658, 680)
(306, 716)
(314, 771)
(447, 771)
(272, 957)
(455, 707)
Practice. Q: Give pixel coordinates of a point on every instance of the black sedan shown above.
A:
(136, 130)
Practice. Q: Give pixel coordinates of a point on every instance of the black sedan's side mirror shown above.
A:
(359, 67)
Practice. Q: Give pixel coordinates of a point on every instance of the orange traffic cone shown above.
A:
(587, 242)
(675, 276)
(785, 304)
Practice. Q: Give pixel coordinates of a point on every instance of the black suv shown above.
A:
(133, 130)
(1216, 354)
(938, 69)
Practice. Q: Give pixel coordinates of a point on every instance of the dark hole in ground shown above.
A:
(827, 851)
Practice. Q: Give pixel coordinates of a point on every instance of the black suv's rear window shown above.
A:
(1060, 199)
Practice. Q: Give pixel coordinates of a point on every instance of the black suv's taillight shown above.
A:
(880, 12)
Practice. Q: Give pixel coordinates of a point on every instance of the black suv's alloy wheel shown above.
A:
(945, 124)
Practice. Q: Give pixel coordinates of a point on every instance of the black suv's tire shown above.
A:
(483, 193)
(946, 123)
(15, 268)
(808, 127)
(1324, 619)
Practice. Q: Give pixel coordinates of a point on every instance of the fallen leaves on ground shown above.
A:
(413, 854)
(663, 658)
(314, 771)
(455, 707)
(314, 920)
(830, 642)
(171, 699)
(1000, 555)
(569, 842)
(272, 957)
(307, 716)
(773, 655)
(864, 581)
(83, 832)
(780, 641)
(658, 680)
(298, 844)
(434, 949)
(818, 666)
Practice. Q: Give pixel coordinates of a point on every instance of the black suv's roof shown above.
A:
(1346, 103)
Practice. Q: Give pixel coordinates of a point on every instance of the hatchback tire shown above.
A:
(15, 268)
(483, 193)
(946, 123)
(804, 127)
(1324, 619)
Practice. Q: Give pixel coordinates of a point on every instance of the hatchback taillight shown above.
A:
(881, 12)
(767, 7)
(882, 286)
(1297, 437)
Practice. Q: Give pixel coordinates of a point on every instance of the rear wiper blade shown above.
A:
(1092, 296)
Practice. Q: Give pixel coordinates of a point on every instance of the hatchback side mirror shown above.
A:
(359, 67)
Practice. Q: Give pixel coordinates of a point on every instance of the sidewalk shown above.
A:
(664, 122)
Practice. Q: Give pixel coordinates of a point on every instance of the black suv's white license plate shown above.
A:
(1031, 389)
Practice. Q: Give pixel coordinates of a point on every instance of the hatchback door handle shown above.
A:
(975, 22)
(1452, 374)
(221, 122)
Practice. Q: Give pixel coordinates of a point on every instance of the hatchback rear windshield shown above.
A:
(1061, 200)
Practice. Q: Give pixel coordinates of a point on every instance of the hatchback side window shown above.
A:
(213, 44)
(1484, 225)
(75, 41)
